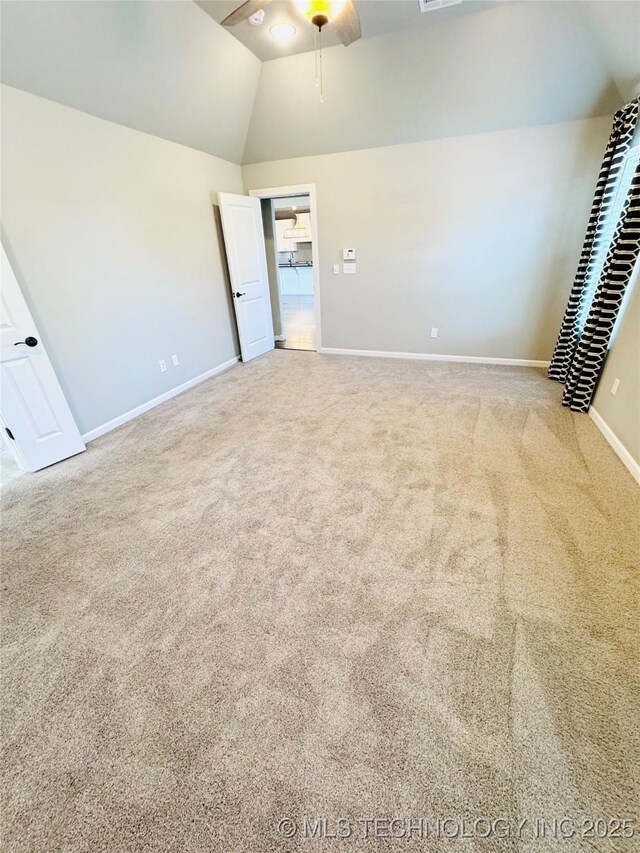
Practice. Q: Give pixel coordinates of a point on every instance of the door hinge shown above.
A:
(9, 433)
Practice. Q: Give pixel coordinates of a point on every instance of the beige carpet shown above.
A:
(324, 587)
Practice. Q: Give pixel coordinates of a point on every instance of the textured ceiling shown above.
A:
(376, 17)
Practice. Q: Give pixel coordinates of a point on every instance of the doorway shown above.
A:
(293, 246)
(291, 243)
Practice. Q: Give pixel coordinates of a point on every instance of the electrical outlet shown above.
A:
(336, 269)
(163, 365)
(434, 333)
(175, 360)
(615, 386)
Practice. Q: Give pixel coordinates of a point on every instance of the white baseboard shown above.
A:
(279, 337)
(423, 356)
(151, 404)
(621, 451)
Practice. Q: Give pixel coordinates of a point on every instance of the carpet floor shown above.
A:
(324, 587)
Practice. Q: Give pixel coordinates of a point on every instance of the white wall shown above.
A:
(478, 236)
(165, 67)
(514, 65)
(112, 237)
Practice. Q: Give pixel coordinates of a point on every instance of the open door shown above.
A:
(244, 240)
(34, 411)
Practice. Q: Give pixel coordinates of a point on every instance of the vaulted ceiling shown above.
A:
(509, 65)
(164, 68)
(169, 69)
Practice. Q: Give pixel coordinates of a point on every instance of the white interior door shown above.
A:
(33, 408)
(244, 241)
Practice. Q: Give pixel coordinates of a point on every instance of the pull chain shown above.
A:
(318, 59)
(320, 63)
(315, 53)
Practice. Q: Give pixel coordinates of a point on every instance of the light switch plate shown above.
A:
(336, 269)
(348, 254)
(349, 269)
(615, 386)
(434, 332)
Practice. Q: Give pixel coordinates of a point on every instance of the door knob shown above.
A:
(237, 295)
(27, 342)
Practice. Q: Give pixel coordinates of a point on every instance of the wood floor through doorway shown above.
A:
(299, 322)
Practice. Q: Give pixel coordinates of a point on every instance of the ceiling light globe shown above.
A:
(283, 32)
(320, 12)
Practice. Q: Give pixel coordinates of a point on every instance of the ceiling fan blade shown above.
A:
(347, 24)
(244, 12)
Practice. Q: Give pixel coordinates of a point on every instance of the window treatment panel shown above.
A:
(562, 362)
(594, 342)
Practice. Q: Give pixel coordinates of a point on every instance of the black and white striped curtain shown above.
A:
(579, 353)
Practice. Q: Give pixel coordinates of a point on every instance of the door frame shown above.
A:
(310, 190)
(274, 260)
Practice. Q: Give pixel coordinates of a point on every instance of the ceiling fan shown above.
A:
(340, 14)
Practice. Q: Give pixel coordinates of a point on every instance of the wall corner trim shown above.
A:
(157, 401)
(620, 450)
(428, 356)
